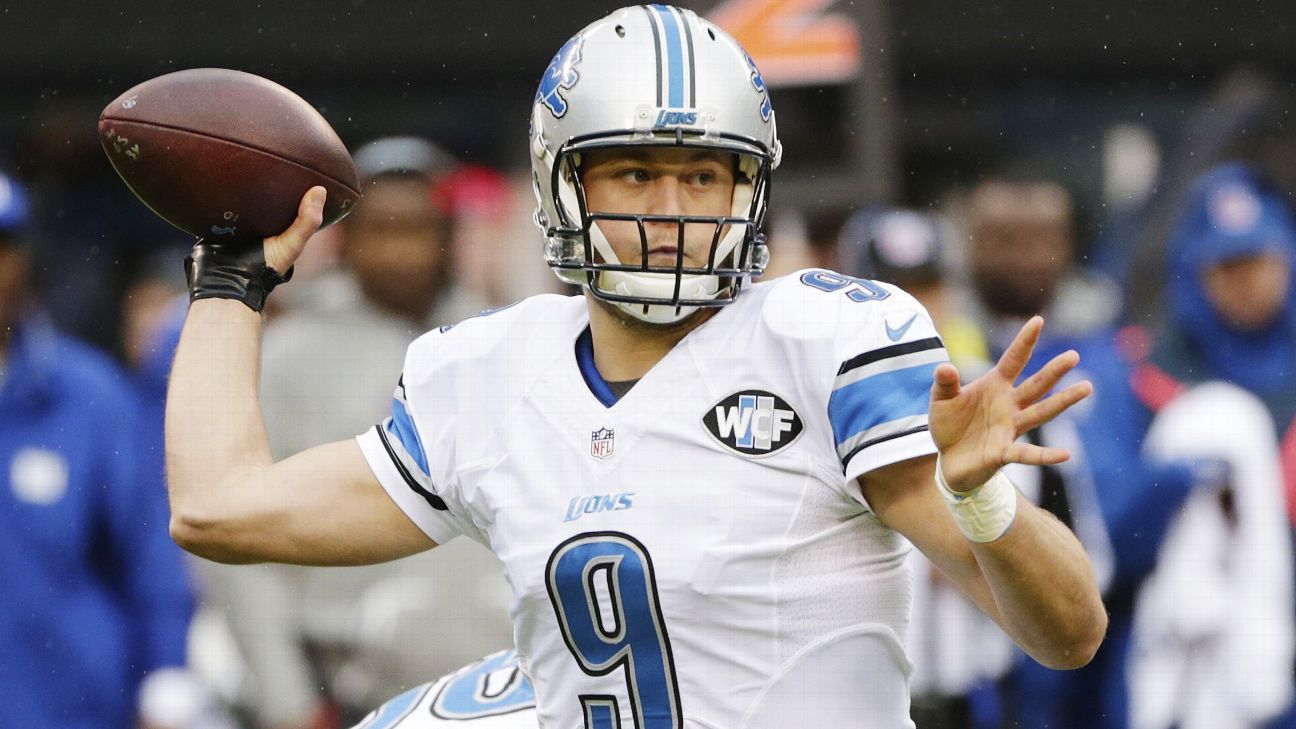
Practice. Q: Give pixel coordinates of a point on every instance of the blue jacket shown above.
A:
(1138, 497)
(94, 592)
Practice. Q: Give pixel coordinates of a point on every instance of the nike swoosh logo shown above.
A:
(898, 332)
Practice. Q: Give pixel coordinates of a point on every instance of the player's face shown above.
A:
(659, 181)
(1248, 292)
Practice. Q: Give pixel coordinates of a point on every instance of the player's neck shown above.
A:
(626, 348)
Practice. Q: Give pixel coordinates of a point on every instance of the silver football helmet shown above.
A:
(652, 75)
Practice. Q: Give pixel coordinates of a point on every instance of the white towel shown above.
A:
(1213, 636)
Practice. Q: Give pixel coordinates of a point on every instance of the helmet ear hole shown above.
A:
(620, 31)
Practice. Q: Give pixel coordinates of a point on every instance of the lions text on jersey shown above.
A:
(696, 553)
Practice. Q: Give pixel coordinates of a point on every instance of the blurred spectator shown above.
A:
(494, 236)
(1021, 256)
(93, 234)
(1231, 316)
(958, 652)
(915, 251)
(97, 599)
(153, 298)
(1246, 115)
(1232, 306)
(1020, 264)
(789, 244)
(1021, 260)
(361, 633)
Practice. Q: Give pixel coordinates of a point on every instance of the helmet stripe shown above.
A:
(657, 50)
(692, 69)
(674, 54)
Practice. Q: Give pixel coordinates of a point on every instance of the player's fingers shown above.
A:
(310, 214)
(1050, 407)
(1014, 358)
(282, 250)
(1033, 455)
(1038, 384)
(945, 382)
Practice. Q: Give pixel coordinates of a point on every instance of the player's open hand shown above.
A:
(283, 249)
(976, 426)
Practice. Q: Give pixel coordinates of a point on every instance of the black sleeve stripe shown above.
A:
(882, 439)
(894, 350)
(433, 500)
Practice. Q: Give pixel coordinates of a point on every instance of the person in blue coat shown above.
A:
(95, 595)
(1232, 302)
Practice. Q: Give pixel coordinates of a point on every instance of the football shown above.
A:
(225, 154)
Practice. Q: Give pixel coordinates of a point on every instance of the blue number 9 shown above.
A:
(858, 290)
(634, 641)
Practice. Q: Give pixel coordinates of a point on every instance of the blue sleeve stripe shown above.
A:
(402, 426)
(880, 399)
(399, 459)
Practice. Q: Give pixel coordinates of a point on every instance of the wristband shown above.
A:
(231, 270)
(984, 513)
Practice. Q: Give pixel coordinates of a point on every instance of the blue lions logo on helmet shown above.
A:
(561, 74)
(758, 81)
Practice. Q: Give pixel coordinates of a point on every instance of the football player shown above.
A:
(702, 490)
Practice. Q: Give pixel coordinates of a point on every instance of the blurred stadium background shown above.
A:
(894, 101)
(940, 90)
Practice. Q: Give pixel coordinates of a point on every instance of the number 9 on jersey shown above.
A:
(604, 593)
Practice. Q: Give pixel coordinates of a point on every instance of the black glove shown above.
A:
(231, 270)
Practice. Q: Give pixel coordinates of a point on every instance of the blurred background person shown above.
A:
(916, 251)
(1020, 237)
(789, 244)
(959, 653)
(91, 246)
(494, 238)
(1231, 304)
(96, 596)
(323, 645)
(1218, 608)
(1021, 262)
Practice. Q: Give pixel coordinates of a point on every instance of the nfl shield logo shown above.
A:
(601, 442)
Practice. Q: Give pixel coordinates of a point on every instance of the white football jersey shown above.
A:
(697, 553)
(492, 693)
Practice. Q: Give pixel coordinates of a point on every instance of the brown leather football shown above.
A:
(225, 154)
